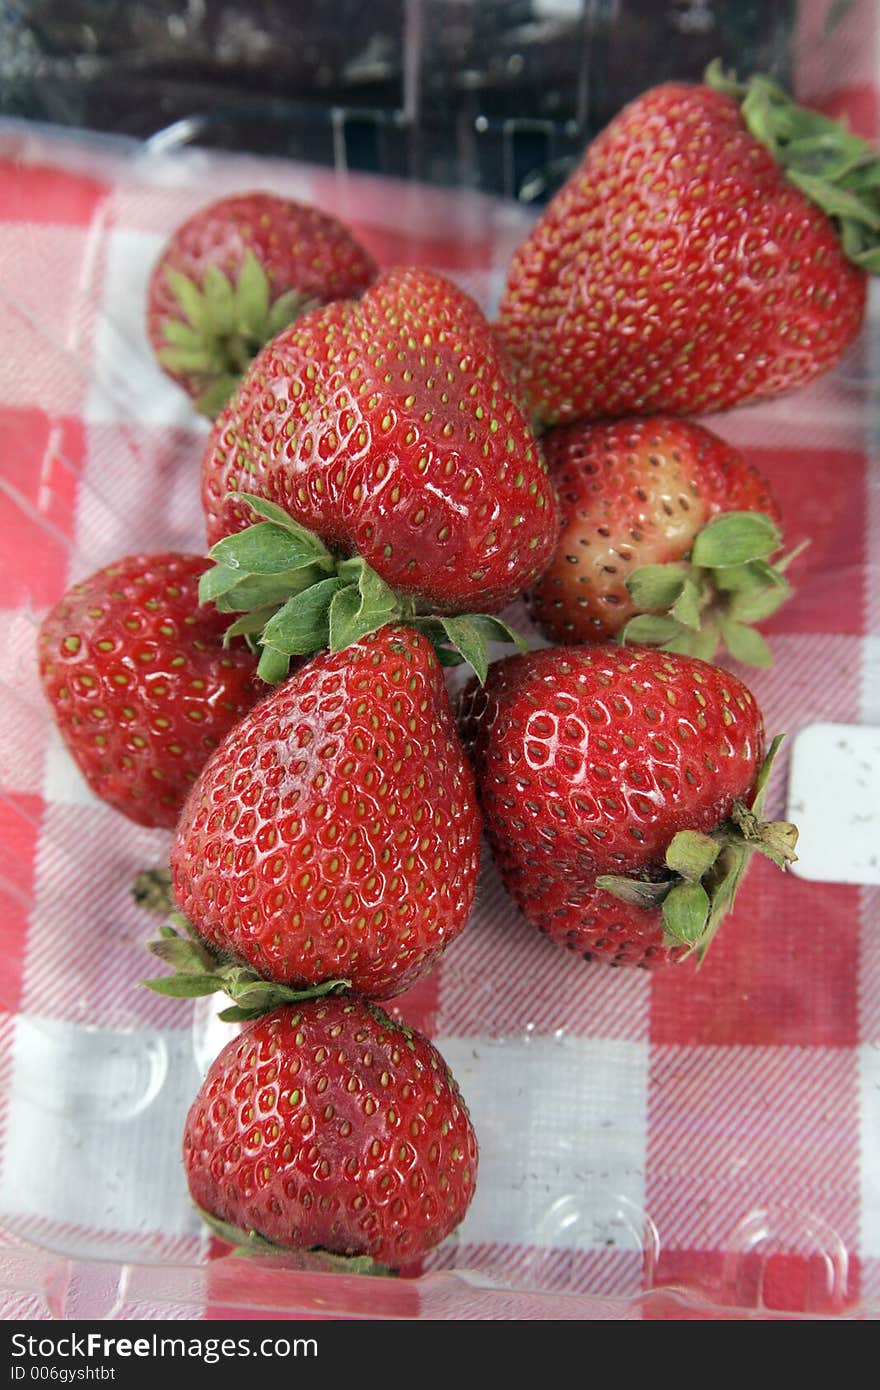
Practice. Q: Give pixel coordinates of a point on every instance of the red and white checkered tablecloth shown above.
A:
(715, 1133)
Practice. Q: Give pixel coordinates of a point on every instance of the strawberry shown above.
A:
(335, 833)
(711, 249)
(233, 276)
(330, 1126)
(622, 791)
(140, 683)
(665, 537)
(387, 429)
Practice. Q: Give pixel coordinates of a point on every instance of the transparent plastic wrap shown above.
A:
(677, 1144)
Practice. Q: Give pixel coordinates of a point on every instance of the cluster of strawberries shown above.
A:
(386, 473)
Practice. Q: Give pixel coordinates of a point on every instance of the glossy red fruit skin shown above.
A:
(140, 685)
(329, 1125)
(588, 761)
(632, 492)
(336, 834)
(342, 420)
(677, 271)
(298, 246)
(595, 925)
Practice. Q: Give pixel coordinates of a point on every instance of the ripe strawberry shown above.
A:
(234, 275)
(622, 791)
(711, 249)
(335, 834)
(329, 1125)
(140, 684)
(388, 429)
(660, 517)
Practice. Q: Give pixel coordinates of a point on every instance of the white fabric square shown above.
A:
(126, 383)
(561, 1125)
(871, 680)
(97, 1117)
(869, 1126)
(63, 783)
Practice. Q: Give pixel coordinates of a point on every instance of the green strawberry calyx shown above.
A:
(151, 891)
(704, 871)
(222, 325)
(836, 170)
(295, 597)
(711, 598)
(314, 1257)
(201, 970)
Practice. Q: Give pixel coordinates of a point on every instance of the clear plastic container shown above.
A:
(499, 95)
(678, 1145)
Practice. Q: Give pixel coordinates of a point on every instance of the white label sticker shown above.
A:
(834, 800)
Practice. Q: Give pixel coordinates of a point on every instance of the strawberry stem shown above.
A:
(199, 969)
(222, 325)
(704, 871)
(295, 597)
(836, 170)
(249, 1242)
(151, 890)
(710, 599)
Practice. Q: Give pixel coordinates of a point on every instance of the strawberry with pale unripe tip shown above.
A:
(669, 538)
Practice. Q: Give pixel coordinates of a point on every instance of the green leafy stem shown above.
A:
(222, 325)
(201, 970)
(836, 170)
(295, 597)
(713, 597)
(704, 871)
(313, 1257)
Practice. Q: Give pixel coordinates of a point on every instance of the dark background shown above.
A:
(493, 94)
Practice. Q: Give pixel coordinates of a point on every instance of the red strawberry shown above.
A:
(234, 275)
(335, 834)
(608, 774)
(331, 1126)
(140, 683)
(387, 427)
(641, 498)
(688, 264)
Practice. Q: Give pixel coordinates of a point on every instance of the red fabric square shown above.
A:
(390, 247)
(42, 463)
(20, 817)
(783, 969)
(417, 1007)
(869, 998)
(743, 1282)
(242, 1288)
(821, 493)
(870, 1282)
(816, 678)
(682, 1283)
(858, 106)
(42, 193)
